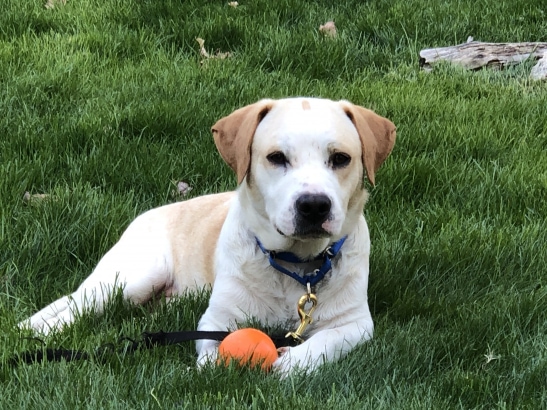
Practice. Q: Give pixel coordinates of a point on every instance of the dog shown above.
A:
(301, 165)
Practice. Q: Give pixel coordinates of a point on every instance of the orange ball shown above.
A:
(248, 347)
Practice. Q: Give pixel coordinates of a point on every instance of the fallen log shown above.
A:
(474, 54)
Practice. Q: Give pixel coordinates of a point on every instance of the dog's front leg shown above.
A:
(326, 345)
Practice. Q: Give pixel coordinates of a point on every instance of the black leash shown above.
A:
(147, 341)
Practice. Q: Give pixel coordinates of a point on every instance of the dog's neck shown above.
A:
(308, 280)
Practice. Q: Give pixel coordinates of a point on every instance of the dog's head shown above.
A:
(302, 161)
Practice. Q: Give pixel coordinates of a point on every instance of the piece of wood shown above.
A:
(474, 54)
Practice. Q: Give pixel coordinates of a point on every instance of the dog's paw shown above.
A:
(41, 326)
(282, 365)
(207, 358)
(291, 360)
(38, 329)
(24, 325)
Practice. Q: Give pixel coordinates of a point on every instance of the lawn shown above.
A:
(106, 105)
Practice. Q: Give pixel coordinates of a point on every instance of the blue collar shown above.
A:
(312, 279)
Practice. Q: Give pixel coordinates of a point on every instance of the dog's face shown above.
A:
(303, 161)
(306, 166)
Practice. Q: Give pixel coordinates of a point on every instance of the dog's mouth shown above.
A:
(306, 232)
(309, 232)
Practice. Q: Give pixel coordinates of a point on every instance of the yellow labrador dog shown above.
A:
(294, 225)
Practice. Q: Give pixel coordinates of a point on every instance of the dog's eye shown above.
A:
(277, 158)
(339, 160)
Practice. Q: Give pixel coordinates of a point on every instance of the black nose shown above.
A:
(314, 208)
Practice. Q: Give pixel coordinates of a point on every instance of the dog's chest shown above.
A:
(278, 296)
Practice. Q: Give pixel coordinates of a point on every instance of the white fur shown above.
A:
(211, 239)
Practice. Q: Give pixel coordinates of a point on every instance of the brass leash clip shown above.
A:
(305, 317)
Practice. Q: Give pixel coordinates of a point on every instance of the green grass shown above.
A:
(104, 105)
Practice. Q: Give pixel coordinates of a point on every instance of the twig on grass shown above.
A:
(328, 29)
(203, 52)
(52, 3)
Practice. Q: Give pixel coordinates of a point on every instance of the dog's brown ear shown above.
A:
(377, 136)
(234, 135)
